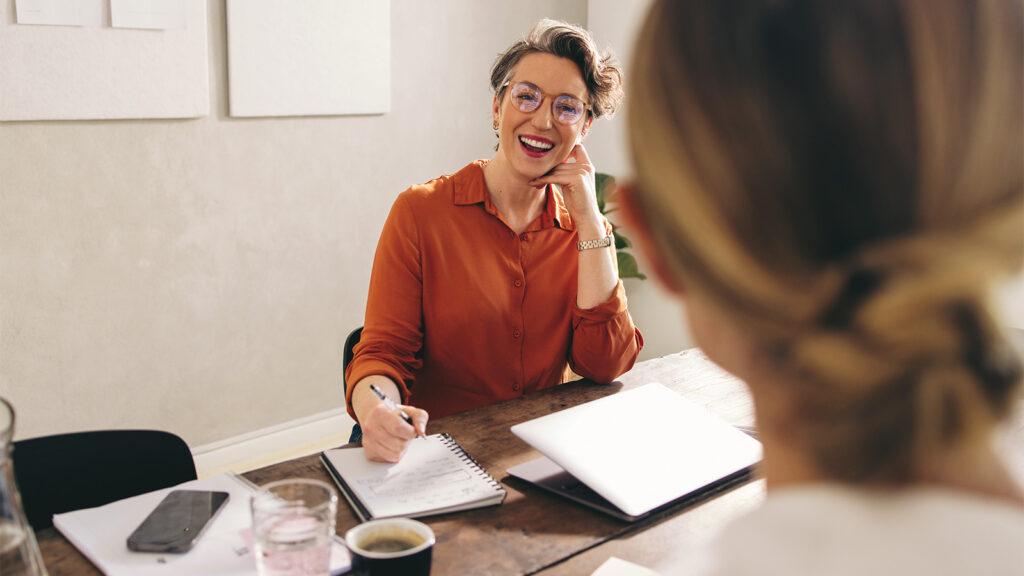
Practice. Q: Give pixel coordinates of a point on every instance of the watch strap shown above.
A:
(598, 243)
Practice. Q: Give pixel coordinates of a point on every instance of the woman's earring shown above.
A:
(495, 126)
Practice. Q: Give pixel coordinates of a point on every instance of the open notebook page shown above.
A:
(434, 476)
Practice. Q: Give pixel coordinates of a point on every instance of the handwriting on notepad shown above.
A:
(434, 476)
(433, 482)
(438, 480)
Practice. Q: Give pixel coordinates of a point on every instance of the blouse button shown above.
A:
(518, 283)
(515, 387)
(516, 333)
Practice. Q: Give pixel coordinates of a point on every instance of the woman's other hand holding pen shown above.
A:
(385, 433)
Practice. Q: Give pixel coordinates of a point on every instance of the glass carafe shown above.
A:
(19, 552)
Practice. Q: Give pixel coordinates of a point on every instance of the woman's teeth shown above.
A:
(536, 144)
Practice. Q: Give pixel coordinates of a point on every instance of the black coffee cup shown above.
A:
(391, 546)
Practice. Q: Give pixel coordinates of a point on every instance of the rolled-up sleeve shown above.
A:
(393, 327)
(605, 343)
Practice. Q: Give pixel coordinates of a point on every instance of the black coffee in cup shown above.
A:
(391, 546)
(391, 542)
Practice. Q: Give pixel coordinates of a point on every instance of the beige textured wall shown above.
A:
(659, 315)
(200, 276)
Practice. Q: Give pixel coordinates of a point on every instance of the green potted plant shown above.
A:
(628, 268)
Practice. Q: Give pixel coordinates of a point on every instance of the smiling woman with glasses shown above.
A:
(491, 283)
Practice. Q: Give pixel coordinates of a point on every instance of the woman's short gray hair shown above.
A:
(600, 70)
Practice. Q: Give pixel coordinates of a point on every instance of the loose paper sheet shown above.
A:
(100, 533)
(618, 567)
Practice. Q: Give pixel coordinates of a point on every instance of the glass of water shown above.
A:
(19, 552)
(292, 527)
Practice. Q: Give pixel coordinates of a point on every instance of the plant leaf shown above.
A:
(605, 184)
(621, 241)
(628, 267)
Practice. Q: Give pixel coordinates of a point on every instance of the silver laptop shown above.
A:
(635, 452)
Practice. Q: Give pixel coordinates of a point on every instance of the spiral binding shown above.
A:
(454, 446)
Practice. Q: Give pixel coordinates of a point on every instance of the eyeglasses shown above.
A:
(566, 109)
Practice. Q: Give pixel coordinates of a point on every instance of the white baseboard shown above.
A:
(274, 444)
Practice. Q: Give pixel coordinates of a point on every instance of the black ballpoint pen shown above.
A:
(394, 408)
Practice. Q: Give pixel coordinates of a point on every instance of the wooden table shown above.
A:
(532, 531)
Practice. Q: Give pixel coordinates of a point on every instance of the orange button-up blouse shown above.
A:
(462, 312)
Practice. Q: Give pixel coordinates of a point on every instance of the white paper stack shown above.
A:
(100, 534)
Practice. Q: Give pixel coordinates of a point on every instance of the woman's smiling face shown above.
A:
(535, 142)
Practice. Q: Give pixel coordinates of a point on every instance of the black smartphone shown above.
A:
(178, 521)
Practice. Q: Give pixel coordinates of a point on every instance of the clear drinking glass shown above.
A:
(292, 527)
(19, 552)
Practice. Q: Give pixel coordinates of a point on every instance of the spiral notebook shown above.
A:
(434, 476)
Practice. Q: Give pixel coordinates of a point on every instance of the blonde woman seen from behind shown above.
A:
(832, 188)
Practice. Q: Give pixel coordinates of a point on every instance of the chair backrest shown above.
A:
(65, 472)
(350, 343)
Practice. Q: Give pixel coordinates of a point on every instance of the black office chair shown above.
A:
(66, 472)
(350, 343)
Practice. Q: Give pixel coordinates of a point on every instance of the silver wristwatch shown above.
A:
(599, 243)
